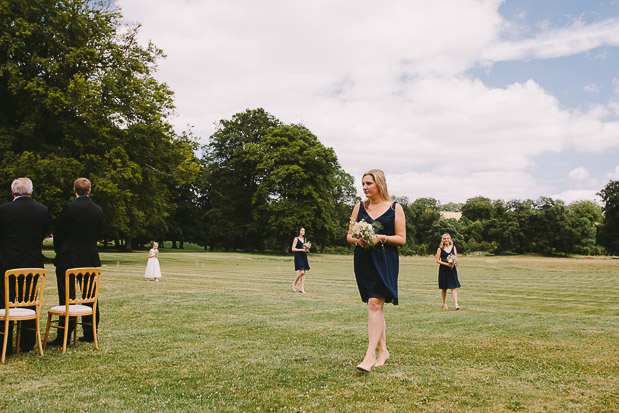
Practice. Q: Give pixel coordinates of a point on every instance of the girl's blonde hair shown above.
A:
(381, 183)
(451, 242)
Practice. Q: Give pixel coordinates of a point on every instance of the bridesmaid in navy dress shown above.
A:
(377, 264)
(300, 260)
(447, 273)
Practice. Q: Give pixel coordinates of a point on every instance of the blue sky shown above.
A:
(565, 77)
(577, 81)
(452, 99)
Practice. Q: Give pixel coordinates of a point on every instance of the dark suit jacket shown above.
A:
(23, 226)
(76, 234)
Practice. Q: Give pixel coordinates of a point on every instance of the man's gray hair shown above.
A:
(21, 186)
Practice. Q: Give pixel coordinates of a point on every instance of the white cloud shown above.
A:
(591, 87)
(615, 174)
(384, 84)
(558, 42)
(573, 195)
(579, 173)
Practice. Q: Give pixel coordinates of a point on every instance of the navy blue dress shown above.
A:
(300, 258)
(376, 268)
(447, 277)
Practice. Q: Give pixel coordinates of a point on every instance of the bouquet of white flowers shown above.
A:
(364, 230)
(307, 245)
(451, 259)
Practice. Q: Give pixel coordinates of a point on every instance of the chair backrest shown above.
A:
(84, 282)
(23, 287)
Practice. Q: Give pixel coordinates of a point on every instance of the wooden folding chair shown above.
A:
(23, 288)
(85, 283)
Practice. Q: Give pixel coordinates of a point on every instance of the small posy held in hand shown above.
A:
(364, 231)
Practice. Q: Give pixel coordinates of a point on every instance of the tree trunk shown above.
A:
(128, 241)
(323, 248)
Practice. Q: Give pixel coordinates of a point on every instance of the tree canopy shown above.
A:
(77, 98)
(266, 179)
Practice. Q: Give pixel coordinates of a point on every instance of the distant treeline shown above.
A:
(544, 226)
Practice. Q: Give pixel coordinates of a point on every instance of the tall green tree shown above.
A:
(424, 214)
(264, 179)
(77, 98)
(231, 171)
(299, 178)
(584, 217)
(608, 231)
(551, 232)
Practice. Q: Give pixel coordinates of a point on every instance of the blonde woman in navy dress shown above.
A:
(300, 260)
(377, 265)
(447, 273)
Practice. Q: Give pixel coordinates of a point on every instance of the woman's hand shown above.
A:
(362, 243)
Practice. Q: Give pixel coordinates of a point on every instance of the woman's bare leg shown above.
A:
(303, 283)
(376, 328)
(383, 353)
(454, 294)
(294, 284)
(444, 295)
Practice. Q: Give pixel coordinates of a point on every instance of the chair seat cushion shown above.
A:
(18, 312)
(75, 309)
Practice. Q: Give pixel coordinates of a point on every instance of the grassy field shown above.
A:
(224, 332)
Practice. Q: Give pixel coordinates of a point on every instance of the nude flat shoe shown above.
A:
(294, 287)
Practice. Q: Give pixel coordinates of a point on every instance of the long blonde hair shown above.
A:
(381, 183)
(451, 242)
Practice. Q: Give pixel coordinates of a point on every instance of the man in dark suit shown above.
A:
(23, 226)
(75, 243)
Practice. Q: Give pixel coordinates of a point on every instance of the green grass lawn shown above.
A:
(224, 332)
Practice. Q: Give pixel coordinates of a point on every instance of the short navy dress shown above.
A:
(300, 257)
(376, 268)
(447, 277)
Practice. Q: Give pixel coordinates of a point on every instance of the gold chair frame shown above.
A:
(28, 293)
(86, 282)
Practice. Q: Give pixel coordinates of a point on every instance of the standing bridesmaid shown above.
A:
(377, 265)
(300, 259)
(447, 272)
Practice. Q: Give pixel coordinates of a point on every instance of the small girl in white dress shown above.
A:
(153, 271)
